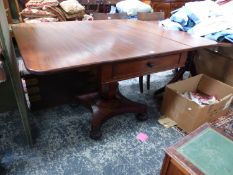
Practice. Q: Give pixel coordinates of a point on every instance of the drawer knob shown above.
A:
(150, 64)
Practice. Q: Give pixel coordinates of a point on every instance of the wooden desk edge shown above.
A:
(176, 158)
(98, 64)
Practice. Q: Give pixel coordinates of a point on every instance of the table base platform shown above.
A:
(106, 108)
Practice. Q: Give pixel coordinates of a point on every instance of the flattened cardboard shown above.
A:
(189, 115)
(166, 122)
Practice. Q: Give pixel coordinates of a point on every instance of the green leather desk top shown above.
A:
(210, 152)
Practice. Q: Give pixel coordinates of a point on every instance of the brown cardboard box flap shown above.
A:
(189, 115)
(214, 87)
(189, 84)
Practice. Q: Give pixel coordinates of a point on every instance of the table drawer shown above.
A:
(134, 68)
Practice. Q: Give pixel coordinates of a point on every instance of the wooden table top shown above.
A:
(52, 47)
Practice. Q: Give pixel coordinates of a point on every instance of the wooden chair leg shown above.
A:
(148, 82)
(141, 84)
(2, 170)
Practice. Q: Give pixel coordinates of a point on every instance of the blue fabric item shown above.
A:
(229, 38)
(170, 25)
(180, 17)
(193, 17)
(113, 10)
(189, 25)
(183, 19)
(132, 17)
(221, 36)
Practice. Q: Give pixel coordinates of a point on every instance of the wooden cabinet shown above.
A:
(176, 5)
(162, 7)
(167, 6)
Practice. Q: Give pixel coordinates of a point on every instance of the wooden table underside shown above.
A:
(120, 49)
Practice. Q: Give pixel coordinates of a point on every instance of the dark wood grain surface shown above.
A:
(51, 47)
(2, 73)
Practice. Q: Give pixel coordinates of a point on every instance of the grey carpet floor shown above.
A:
(63, 145)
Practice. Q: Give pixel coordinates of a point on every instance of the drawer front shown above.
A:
(139, 67)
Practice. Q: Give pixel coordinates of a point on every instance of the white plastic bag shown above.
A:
(132, 7)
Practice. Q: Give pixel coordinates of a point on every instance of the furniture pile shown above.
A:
(52, 11)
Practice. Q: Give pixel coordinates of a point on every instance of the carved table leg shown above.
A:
(108, 103)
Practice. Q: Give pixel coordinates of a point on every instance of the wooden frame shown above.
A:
(12, 67)
(9, 12)
(175, 163)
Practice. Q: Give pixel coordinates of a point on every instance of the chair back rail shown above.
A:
(108, 16)
(154, 16)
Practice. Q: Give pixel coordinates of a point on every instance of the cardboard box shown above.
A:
(218, 65)
(189, 115)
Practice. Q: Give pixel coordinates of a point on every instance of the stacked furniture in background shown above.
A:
(52, 11)
(167, 6)
(91, 6)
(9, 12)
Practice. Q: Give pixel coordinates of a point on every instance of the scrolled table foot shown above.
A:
(95, 134)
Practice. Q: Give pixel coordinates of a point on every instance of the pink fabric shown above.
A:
(142, 137)
(41, 3)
